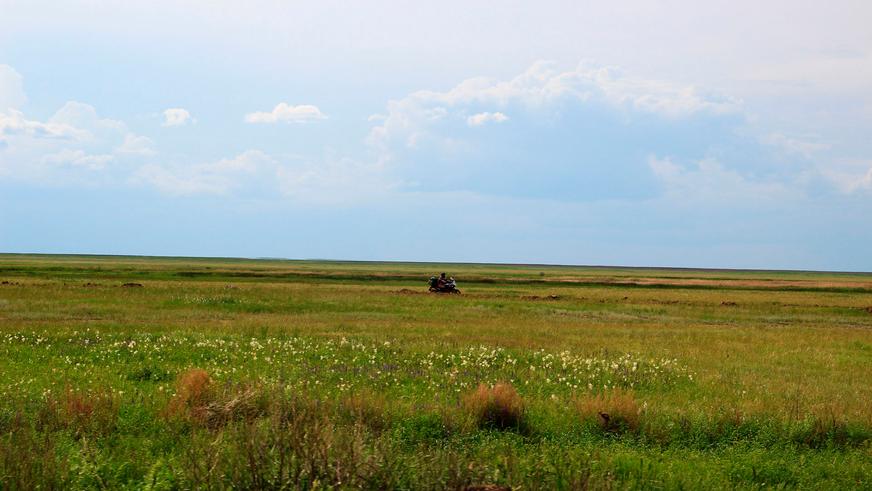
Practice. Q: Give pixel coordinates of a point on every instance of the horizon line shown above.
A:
(418, 262)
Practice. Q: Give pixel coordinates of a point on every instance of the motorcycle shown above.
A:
(450, 287)
(444, 289)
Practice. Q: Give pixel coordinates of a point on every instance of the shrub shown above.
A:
(615, 411)
(498, 407)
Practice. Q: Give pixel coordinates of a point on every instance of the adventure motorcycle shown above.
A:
(445, 288)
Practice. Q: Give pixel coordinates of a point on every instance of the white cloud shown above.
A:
(335, 181)
(220, 177)
(331, 181)
(84, 116)
(708, 181)
(796, 146)
(486, 117)
(78, 158)
(178, 184)
(848, 175)
(136, 145)
(14, 124)
(542, 87)
(11, 89)
(177, 116)
(284, 112)
(74, 140)
(576, 134)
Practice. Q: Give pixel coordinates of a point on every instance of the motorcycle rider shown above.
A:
(451, 284)
(442, 281)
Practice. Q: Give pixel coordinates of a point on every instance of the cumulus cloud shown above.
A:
(220, 177)
(336, 181)
(136, 145)
(84, 116)
(795, 146)
(486, 117)
(709, 181)
(585, 134)
(78, 158)
(11, 89)
(327, 181)
(176, 116)
(577, 134)
(73, 141)
(14, 124)
(284, 112)
(849, 175)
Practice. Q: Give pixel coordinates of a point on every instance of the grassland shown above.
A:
(214, 373)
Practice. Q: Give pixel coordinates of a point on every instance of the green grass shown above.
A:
(348, 375)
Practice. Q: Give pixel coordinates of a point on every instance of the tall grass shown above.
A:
(332, 375)
(498, 406)
(614, 411)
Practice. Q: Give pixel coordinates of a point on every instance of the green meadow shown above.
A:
(191, 373)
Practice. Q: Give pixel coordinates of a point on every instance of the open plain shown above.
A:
(177, 373)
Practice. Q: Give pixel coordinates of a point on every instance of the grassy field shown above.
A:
(179, 373)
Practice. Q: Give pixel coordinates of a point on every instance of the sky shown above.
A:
(721, 134)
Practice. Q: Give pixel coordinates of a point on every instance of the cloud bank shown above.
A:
(177, 116)
(286, 113)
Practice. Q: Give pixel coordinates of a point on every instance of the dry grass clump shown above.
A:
(194, 392)
(198, 401)
(82, 412)
(497, 407)
(615, 411)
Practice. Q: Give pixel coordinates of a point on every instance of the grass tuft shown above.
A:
(366, 408)
(497, 407)
(194, 392)
(615, 411)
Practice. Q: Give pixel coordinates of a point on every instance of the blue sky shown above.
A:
(709, 134)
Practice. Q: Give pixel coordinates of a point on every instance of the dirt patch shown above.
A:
(90, 285)
(538, 297)
(132, 285)
(406, 291)
(729, 304)
(666, 302)
(10, 283)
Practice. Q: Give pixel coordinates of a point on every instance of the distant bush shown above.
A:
(498, 407)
